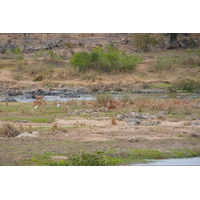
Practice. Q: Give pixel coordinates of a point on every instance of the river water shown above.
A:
(172, 162)
(92, 96)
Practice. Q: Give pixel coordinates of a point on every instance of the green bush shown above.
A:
(188, 83)
(83, 159)
(53, 56)
(105, 60)
(81, 60)
(142, 41)
(38, 78)
(16, 51)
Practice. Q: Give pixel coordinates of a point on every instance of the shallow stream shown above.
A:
(92, 96)
(172, 162)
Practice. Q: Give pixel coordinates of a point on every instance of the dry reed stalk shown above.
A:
(114, 121)
(54, 127)
(30, 128)
(21, 127)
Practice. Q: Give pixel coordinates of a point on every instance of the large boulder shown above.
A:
(9, 100)
(124, 40)
(57, 43)
(14, 93)
(187, 42)
(173, 45)
(26, 134)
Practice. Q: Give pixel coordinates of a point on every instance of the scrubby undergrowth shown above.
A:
(178, 68)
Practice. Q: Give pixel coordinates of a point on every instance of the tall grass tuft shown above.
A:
(103, 98)
(169, 61)
(187, 83)
(114, 121)
(21, 127)
(9, 131)
(54, 127)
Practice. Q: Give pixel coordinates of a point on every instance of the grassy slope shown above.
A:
(158, 70)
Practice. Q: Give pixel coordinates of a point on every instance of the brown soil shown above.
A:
(99, 134)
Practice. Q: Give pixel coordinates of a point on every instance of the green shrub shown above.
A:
(82, 159)
(81, 60)
(187, 83)
(91, 159)
(165, 63)
(38, 78)
(145, 154)
(142, 41)
(53, 56)
(16, 51)
(105, 60)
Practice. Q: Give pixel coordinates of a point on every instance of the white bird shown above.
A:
(58, 105)
(35, 107)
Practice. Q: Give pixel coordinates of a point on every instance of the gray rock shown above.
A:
(187, 42)
(39, 92)
(133, 120)
(173, 45)
(26, 134)
(35, 134)
(31, 96)
(124, 40)
(21, 121)
(179, 97)
(165, 97)
(61, 85)
(94, 114)
(113, 92)
(195, 106)
(14, 93)
(9, 100)
(160, 117)
(133, 124)
(195, 124)
(134, 139)
(152, 123)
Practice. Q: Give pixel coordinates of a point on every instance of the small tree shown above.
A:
(173, 40)
(142, 41)
(26, 37)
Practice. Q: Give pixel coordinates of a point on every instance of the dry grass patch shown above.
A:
(8, 130)
(114, 121)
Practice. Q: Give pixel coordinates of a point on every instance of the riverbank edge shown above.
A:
(124, 158)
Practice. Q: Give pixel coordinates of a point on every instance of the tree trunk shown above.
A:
(173, 37)
(26, 38)
(173, 43)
